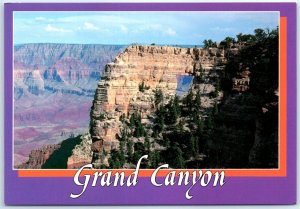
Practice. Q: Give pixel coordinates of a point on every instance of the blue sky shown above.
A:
(189, 28)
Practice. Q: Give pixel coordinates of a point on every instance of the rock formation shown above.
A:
(241, 82)
(81, 154)
(53, 89)
(38, 157)
(69, 154)
(155, 67)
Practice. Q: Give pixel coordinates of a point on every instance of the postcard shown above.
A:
(150, 103)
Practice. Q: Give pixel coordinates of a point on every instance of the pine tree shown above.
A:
(122, 118)
(147, 144)
(122, 153)
(155, 159)
(176, 104)
(196, 145)
(173, 112)
(198, 98)
(115, 159)
(180, 127)
(139, 151)
(200, 126)
(198, 103)
(190, 101)
(190, 149)
(142, 87)
(215, 110)
(158, 97)
(132, 120)
(124, 134)
(160, 118)
(129, 150)
(139, 130)
(178, 160)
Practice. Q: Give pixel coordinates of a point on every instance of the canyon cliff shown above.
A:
(38, 157)
(222, 120)
(53, 89)
(154, 68)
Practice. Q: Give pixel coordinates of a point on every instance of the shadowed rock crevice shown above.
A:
(59, 158)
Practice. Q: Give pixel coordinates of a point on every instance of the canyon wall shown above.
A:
(38, 157)
(118, 92)
(53, 89)
(65, 68)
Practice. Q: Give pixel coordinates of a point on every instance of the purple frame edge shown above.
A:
(239, 190)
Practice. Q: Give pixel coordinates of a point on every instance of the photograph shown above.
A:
(194, 90)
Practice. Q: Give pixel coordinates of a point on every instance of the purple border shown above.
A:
(237, 190)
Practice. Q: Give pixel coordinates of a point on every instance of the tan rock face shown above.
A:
(241, 82)
(38, 157)
(81, 154)
(118, 91)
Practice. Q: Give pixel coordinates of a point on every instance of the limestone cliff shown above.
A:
(155, 67)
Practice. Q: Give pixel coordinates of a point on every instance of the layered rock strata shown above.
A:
(156, 67)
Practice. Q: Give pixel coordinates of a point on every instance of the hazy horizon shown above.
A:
(100, 44)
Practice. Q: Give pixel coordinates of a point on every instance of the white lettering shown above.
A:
(153, 176)
(78, 183)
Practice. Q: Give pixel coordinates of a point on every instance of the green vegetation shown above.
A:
(227, 42)
(260, 55)
(101, 117)
(237, 119)
(158, 96)
(59, 158)
(209, 43)
(135, 123)
(117, 159)
(143, 87)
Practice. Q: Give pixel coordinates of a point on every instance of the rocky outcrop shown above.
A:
(73, 152)
(81, 154)
(118, 92)
(241, 82)
(38, 157)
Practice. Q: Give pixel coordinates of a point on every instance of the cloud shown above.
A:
(89, 26)
(198, 35)
(40, 19)
(51, 28)
(222, 29)
(170, 32)
(144, 26)
(124, 29)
